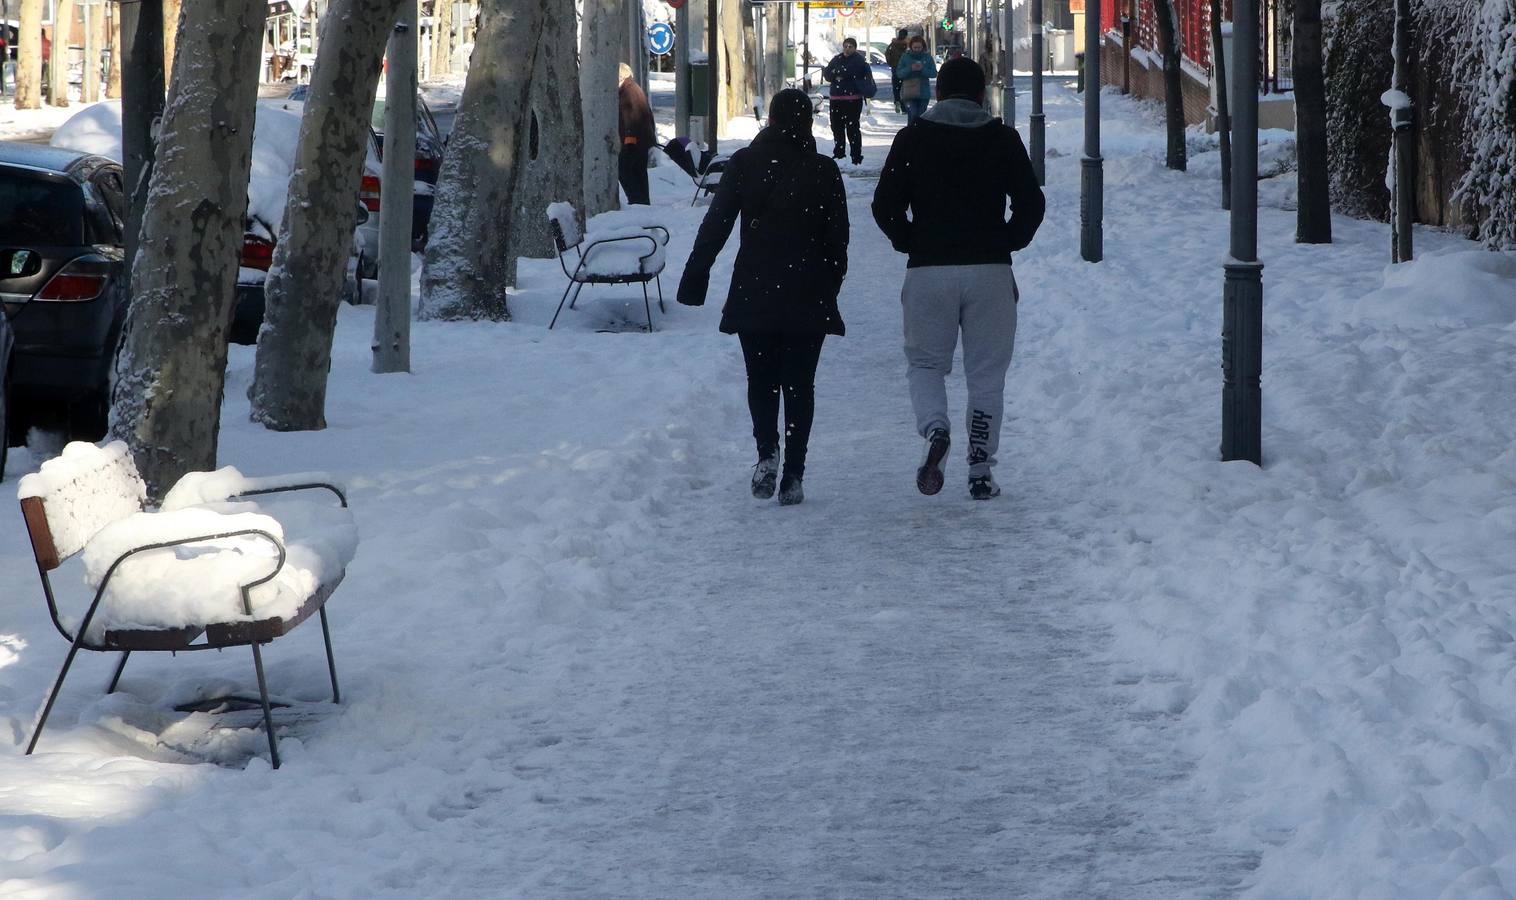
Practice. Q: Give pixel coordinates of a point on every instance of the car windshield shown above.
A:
(39, 211)
(377, 120)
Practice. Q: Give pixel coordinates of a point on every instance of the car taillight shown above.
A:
(257, 252)
(368, 192)
(82, 279)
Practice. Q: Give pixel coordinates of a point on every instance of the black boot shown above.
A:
(764, 474)
(790, 491)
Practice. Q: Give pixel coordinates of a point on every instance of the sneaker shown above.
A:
(764, 475)
(983, 487)
(929, 476)
(857, 160)
(790, 491)
(839, 151)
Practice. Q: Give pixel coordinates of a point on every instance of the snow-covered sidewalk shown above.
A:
(578, 660)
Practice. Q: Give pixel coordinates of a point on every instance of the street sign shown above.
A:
(660, 38)
(846, 11)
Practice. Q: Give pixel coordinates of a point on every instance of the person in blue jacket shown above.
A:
(915, 71)
(852, 82)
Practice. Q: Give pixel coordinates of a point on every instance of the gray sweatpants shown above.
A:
(937, 302)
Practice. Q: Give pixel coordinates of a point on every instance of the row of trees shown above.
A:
(532, 105)
(1460, 73)
(102, 35)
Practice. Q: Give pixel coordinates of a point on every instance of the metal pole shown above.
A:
(805, 47)
(392, 319)
(1403, 137)
(682, 40)
(1008, 45)
(142, 86)
(713, 71)
(1223, 105)
(1092, 173)
(1242, 295)
(1038, 120)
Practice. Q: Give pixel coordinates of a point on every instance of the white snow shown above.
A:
(578, 660)
(82, 489)
(276, 135)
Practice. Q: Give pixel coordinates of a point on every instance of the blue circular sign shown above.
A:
(660, 38)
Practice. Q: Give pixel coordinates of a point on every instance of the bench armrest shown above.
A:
(226, 483)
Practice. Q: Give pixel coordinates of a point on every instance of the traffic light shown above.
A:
(947, 24)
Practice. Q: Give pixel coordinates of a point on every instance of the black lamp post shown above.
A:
(1242, 294)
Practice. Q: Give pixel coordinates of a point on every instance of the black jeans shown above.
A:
(632, 173)
(845, 114)
(782, 364)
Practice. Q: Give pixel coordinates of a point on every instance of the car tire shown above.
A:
(89, 418)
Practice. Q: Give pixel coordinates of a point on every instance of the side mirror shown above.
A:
(19, 263)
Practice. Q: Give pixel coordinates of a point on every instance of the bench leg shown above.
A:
(572, 286)
(47, 708)
(647, 309)
(578, 286)
(268, 715)
(120, 667)
(331, 663)
(660, 296)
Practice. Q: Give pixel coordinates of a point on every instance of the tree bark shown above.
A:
(600, 41)
(736, 89)
(1313, 214)
(442, 38)
(556, 135)
(94, 24)
(29, 56)
(57, 74)
(1173, 87)
(113, 74)
(171, 10)
(304, 283)
(467, 271)
(171, 369)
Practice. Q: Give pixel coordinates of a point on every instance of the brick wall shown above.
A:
(1147, 78)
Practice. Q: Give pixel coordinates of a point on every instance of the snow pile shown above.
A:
(633, 250)
(1455, 288)
(225, 483)
(276, 134)
(83, 489)
(568, 221)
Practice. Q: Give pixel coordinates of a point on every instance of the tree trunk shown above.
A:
(172, 364)
(113, 73)
(171, 9)
(29, 56)
(94, 22)
(556, 136)
(1358, 71)
(57, 74)
(442, 38)
(467, 271)
(1173, 87)
(1313, 214)
(304, 283)
(736, 92)
(600, 41)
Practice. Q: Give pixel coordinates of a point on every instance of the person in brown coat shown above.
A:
(637, 137)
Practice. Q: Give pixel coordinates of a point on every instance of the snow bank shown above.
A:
(1457, 288)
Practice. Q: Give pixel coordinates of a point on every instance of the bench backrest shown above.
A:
(75, 495)
(565, 225)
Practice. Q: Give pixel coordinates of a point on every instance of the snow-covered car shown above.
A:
(276, 134)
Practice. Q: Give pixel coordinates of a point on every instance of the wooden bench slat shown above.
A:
(43, 546)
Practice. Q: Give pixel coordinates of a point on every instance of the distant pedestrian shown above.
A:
(852, 82)
(953, 170)
(915, 70)
(638, 135)
(782, 302)
(892, 55)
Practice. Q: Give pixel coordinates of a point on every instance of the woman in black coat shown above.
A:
(790, 264)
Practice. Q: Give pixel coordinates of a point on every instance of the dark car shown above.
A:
(62, 283)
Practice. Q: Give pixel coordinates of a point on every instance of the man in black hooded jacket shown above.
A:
(952, 170)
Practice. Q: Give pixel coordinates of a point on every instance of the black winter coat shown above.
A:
(793, 251)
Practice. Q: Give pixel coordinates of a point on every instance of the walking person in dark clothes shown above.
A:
(852, 82)
(790, 264)
(953, 169)
(637, 137)
(892, 55)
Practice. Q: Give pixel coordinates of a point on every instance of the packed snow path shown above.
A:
(578, 659)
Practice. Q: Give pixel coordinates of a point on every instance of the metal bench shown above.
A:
(91, 501)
